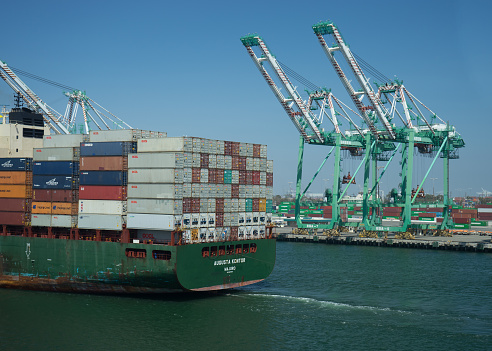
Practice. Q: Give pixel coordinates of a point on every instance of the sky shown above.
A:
(179, 67)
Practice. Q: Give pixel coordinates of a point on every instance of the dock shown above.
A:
(470, 242)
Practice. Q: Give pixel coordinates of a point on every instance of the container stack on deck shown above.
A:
(141, 181)
(215, 189)
(15, 191)
(55, 181)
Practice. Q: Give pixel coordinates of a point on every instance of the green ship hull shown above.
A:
(111, 267)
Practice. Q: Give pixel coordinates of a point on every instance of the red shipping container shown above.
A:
(219, 206)
(242, 177)
(228, 148)
(462, 220)
(14, 218)
(414, 218)
(235, 191)
(58, 195)
(242, 163)
(235, 162)
(256, 150)
(41, 195)
(203, 160)
(219, 219)
(235, 148)
(100, 192)
(219, 176)
(269, 179)
(14, 205)
(427, 215)
(256, 205)
(195, 175)
(256, 177)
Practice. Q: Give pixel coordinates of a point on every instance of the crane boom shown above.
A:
(323, 28)
(303, 120)
(31, 98)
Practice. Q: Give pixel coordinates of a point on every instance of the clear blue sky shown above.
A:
(180, 67)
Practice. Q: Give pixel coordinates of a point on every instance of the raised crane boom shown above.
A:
(324, 28)
(303, 120)
(31, 98)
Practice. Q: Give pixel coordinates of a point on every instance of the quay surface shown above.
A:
(457, 242)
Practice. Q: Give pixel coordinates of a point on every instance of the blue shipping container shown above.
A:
(55, 168)
(15, 164)
(112, 148)
(103, 178)
(53, 182)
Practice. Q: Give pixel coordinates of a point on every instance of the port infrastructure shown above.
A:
(62, 123)
(391, 119)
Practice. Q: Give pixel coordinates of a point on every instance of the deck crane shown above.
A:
(425, 136)
(60, 124)
(309, 125)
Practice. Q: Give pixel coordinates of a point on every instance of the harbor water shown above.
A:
(319, 297)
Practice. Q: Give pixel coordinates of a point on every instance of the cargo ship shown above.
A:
(131, 211)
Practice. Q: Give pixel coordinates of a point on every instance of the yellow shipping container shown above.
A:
(13, 177)
(15, 191)
(262, 205)
(41, 207)
(63, 208)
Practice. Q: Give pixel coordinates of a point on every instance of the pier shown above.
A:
(461, 242)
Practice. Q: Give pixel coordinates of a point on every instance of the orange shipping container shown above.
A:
(15, 191)
(102, 163)
(63, 208)
(13, 177)
(41, 207)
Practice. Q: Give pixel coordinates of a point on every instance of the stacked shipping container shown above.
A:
(55, 182)
(15, 190)
(214, 189)
(103, 184)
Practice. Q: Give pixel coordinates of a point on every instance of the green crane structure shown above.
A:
(380, 141)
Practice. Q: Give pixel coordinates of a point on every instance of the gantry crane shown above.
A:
(309, 125)
(426, 137)
(380, 141)
(60, 124)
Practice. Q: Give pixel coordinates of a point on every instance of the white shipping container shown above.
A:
(56, 154)
(195, 189)
(235, 177)
(204, 175)
(187, 160)
(204, 148)
(155, 159)
(220, 147)
(187, 190)
(102, 207)
(256, 191)
(155, 191)
(197, 145)
(269, 218)
(212, 146)
(220, 161)
(63, 221)
(269, 166)
(256, 164)
(211, 205)
(155, 206)
(196, 160)
(485, 210)
(64, 140)
(203, 205)
(263, 151)
(235, 205)
(263, 165)
(203, 220)
(242, 205)
(227, 162)
(262, 191)
(150, 221)
(241, 218)
(41, 220)
(240, 231)
(262, 178)
(212, 161)
(227, 190)
(195, 220)
(186, 220)
(173, 144)
(155, 175)
(249, 150)
(118, 135)
(101, 221)
(256, 218)
(203, 235)
(211, 220)
(269, 192)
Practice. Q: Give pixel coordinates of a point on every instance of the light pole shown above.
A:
(433, 185)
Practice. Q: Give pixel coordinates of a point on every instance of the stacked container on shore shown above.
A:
(15, 191)
(55, 181)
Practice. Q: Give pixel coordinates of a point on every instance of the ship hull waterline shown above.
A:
(85, 266)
